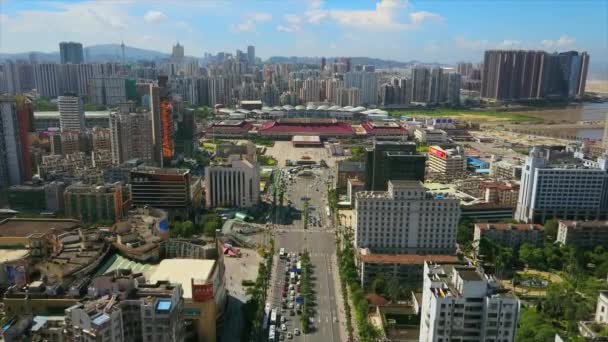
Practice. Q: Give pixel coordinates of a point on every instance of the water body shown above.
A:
(581, 112)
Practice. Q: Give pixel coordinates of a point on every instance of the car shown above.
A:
(289, 336)
(290, 305)
(281, 337)
(296, 332)
(292, 313)
(284, 327)
(292, 292)
(283, 319)
(291, 286)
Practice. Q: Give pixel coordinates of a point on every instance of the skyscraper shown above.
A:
(47, 78)
(71, 113)
(421, 77)
(367, 82)
(251, 55)
(71, 52)
(16, 119)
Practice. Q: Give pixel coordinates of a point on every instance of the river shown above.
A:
(588, 111)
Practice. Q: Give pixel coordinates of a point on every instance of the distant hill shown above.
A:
(94, 53)
(377, 62)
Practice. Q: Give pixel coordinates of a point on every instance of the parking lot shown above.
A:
(283, 298)
(284, 150)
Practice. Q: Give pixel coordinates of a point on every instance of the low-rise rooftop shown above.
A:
(21, 227)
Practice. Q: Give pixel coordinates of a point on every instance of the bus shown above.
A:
(271, 334)
(273, 317)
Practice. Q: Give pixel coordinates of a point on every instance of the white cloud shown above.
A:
(468, 44)
(292, 23)
(250, 22)
(418, 18)
(153, 17)
(510, 43)
(563, 41)
(388, 15)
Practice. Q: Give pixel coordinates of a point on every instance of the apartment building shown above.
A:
(93, 203)
(584, 235)
(406, 219)
(510, 235)
(460, 303)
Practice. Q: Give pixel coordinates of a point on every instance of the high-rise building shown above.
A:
(162, 122)
(251, 54)
(565, 189)
(460, 303)
(93, 203)
(107, 91)
(453, 88)
(178, 52)
(518, 74)
(405, 219)
(421, 77)
(311, 90)
(131, 137)
(101, 139)
(16, 124)
(71, 113)
(331, 88)
(388, 160)
(323, 63)
(348, 97)
(367, 82)
(48, 80)
(234, 184)
(71, 52)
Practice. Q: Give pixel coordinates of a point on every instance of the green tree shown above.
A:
(465, 232)
(551, 227)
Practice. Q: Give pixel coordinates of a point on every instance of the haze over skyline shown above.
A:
(437, 31)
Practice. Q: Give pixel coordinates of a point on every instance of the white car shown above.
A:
(283, 327)
(296, 332)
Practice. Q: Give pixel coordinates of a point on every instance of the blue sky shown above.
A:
(442, 31)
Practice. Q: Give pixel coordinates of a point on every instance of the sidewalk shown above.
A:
(339, 298)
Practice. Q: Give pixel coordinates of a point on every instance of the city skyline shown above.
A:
(391, 29)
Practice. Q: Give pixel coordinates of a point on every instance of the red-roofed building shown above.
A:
(510, 235)
(234, 129)
(287, 128)
(383, 129)
(408, 268)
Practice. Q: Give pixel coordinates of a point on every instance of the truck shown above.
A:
(271, 334)
(273, 317)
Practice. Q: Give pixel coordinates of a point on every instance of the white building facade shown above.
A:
(406, 219)
(236, 184)
(459, 303)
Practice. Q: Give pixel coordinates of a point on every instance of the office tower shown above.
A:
(367, 82)
(421, 77)
(405, 219)
(107, 91)
(460, 303)
(47, 77)
(567, 189)
(71, 113)
(174, 190)
(251, 54)
(234, 184)
(178, 52)
(16, 116)
(71, 52)
(185, 133)
(311, 90)
(388, 160)
(94, 203)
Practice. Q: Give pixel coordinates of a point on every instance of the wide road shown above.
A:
(319, 240)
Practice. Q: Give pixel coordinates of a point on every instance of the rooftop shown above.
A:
(584, 224)
(470, 275)
(21, 227)
(508, 226)
(8, 255)
(405, 259)
(182, 271)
